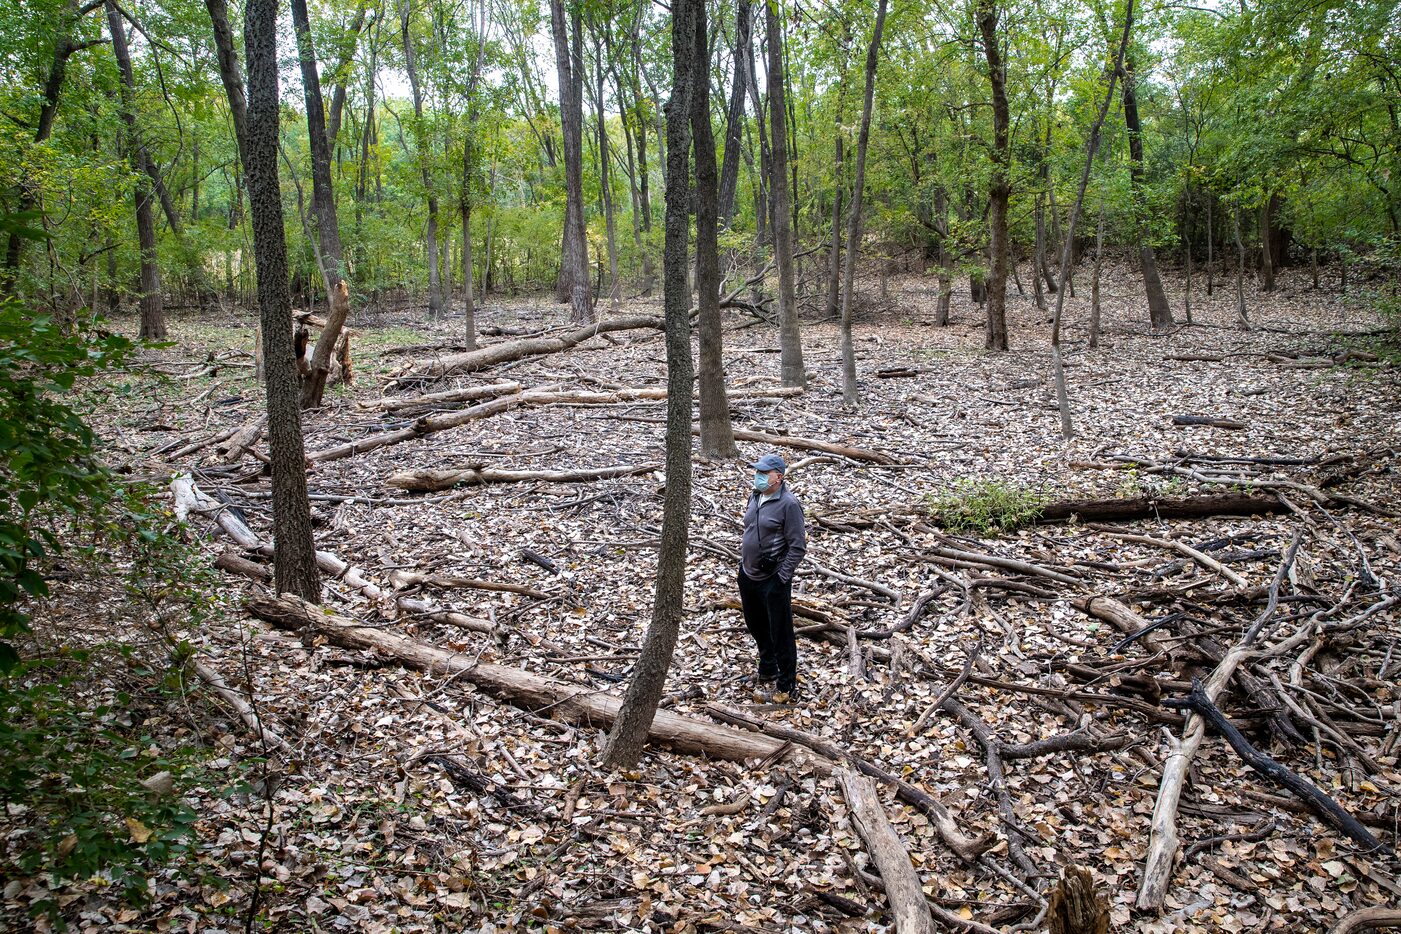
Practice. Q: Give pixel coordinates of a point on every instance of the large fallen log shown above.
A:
(571, 702)
(1147, 507)
(428, 480)
(547, 395)
(902, 885)
(506, 351)
(446, 397)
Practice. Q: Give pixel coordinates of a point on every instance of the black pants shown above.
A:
(768, 612)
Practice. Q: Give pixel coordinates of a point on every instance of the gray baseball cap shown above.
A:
(770, 462)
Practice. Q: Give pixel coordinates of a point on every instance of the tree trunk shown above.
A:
(1210, 247)
(323, 205)
(690, 75)
(1267, 257)
(1000, 188)
(1187, 249)
(717, 439)
(294, 557)
(1241, 317)
(941, 210)
(1159, 311)
(1038, 259)
(604, 180)
(152, 309)
(630, 113)
(734, 117)
(435, 296)
(1094, 280)
(790, 344)
(850, 395)
(573, 283)
(834, 260)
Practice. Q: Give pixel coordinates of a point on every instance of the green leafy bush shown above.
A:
(985, 506)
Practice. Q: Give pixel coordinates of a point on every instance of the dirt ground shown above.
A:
(369, 833)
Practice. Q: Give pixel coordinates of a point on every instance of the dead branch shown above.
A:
(902, 885)
(1367, 919)
(428, 480)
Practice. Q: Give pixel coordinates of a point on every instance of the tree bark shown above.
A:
(152, 308)
(573, 283)
(1000, 188)
(1094, 280)
(1241, 317)
(435, 297)
(850, 394)
(323, 205)
(892, 860)
(1159, 311)
(635, 717)
(1267, 257)
(717, 438)
(604, 181)
(941, 211)
(834, 259)
(790, 343)
(294, 556)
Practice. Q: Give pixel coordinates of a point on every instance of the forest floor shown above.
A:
(368, 832)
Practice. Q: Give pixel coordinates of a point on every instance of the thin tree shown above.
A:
(573, 284)
(152, 307)
(435, 297)
(1159, 311)
(717, 438)
(734, 116)
(790, 343)
(853, 241)
(323, 206)
(1000, 187)
(469, 303)
(1067, 247)
(605, 185)
(255, 120)
(630, 729)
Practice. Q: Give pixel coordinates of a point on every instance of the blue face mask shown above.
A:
(761, 481)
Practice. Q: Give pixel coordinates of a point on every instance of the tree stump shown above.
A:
(1076, 907)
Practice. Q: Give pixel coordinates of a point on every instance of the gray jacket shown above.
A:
(774, 528)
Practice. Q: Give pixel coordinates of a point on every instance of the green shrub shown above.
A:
(985, 506)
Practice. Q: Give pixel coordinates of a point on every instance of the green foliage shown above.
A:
(985, 506)
(71, 771)
(47, 451)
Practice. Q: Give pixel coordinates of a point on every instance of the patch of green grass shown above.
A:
(986, 506)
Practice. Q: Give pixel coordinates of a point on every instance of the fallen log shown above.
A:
(902, 885)
(428, 480)
(1147, 507)
(1208, 421)
(1320, 803)
(966, 848)
(402, 579)
(506, 351)
(808, 444)
(446, 397)
(569, 702)
(243, 439)
(1011, 564)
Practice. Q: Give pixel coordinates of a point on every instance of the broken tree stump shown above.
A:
(1076, 907)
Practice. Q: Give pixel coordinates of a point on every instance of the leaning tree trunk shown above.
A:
(152, 310)
(850, 396)
(323, 205)
(1159, 311)
(294, 557)
(573, 284)
(716, 434)
(1000, 188)
(630, 729)
(790, 344)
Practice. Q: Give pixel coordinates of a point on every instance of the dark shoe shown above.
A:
(757, 679)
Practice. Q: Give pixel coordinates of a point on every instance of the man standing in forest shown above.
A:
(774, 541)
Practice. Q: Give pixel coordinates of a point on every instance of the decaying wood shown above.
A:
(1147, 507)
(1320, 803)
(428, 480)
(1367, 919)
(236, 564)
(506, 351)
(402, 579)
(808, 444)
(243, 439)
(902, 885)
(572, 703)
(245, 710)
(1077, 907)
